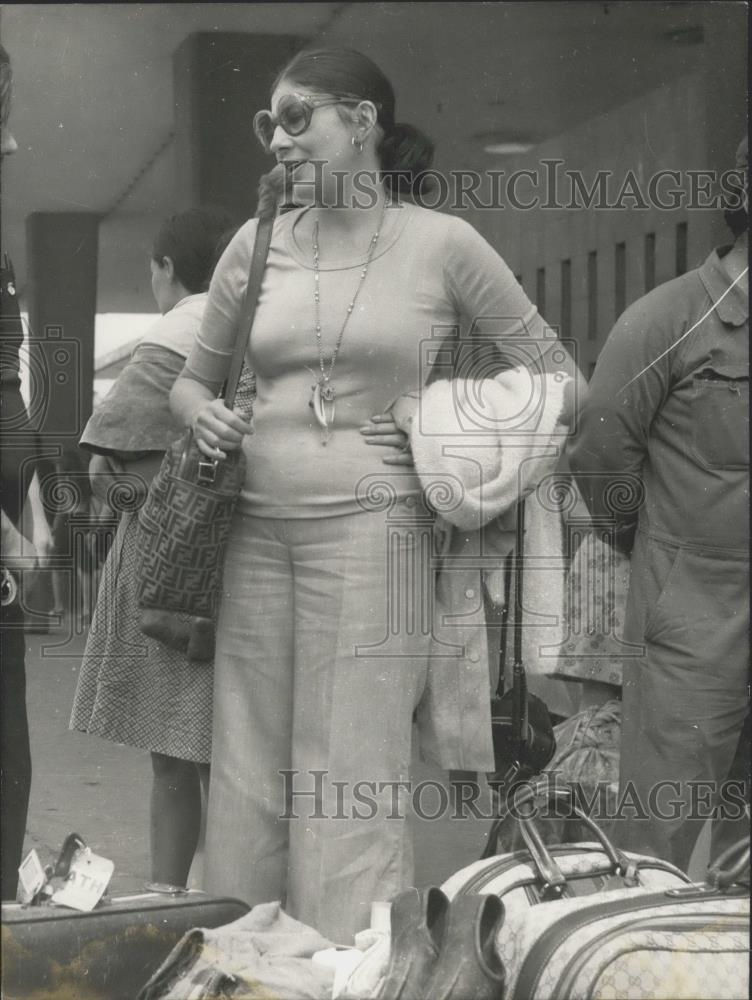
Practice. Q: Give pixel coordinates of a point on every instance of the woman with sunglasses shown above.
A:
(324, 632)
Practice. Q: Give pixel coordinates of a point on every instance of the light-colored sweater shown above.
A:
(431, 275)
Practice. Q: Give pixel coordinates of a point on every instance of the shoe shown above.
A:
(469, 967)
(418, 924)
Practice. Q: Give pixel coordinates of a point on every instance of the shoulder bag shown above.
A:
(184, 523)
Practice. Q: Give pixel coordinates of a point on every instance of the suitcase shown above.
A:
(54, 953)
(586, 920)
(686, 943)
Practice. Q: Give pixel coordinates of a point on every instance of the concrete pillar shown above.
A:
(62, 252)
(220, 80)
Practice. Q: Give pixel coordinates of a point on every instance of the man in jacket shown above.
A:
(661, 453)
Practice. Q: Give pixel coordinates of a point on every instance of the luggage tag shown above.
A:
(32, 876)
(87, 877)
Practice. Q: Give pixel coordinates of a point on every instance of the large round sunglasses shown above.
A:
(294, 113)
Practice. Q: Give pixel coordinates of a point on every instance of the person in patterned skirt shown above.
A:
(133, 689)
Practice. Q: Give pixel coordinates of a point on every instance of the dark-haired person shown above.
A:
(313, 676)
(668, 408)
(20, 484)
(132, 689)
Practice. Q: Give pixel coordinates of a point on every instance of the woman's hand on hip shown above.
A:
(218, 430)
(382, 431)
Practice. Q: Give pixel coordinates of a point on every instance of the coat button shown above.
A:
(473, 657)
(469, 592)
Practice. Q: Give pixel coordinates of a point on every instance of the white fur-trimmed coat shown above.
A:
(479, 445)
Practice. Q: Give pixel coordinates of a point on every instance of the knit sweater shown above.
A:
(430, 275)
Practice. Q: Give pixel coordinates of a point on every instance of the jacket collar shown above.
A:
(732, 306)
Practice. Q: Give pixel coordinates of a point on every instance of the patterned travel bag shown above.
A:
(107, 954)
(589, 921)
(184, 524)
(685, 943)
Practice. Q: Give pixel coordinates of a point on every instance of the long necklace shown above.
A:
(323, 392)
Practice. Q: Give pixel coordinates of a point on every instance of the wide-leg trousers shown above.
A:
(322, 652)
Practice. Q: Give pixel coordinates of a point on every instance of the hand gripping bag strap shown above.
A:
(250, 302)
(247, 313)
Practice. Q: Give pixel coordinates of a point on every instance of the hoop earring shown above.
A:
(357, 144)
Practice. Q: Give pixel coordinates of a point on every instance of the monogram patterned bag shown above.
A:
(184, 524)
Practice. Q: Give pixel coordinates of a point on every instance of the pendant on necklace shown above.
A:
(323, 395)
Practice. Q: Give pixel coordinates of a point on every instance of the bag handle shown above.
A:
(548, 871)
(721, 877)
(250, 302)
(72, 843)
(551, 877)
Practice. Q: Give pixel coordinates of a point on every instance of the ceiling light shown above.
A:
(694, 34)
(507, 148)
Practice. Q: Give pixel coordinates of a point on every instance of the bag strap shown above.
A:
(519, 683)
(504, 631)
(515, 560)
(250, 301)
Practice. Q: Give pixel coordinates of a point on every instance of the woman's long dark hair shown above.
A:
(404, 152)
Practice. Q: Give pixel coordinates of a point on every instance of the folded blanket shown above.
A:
(265, 955)
(487, 441)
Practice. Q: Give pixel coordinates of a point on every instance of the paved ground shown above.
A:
(101, 790)
(95, 788)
